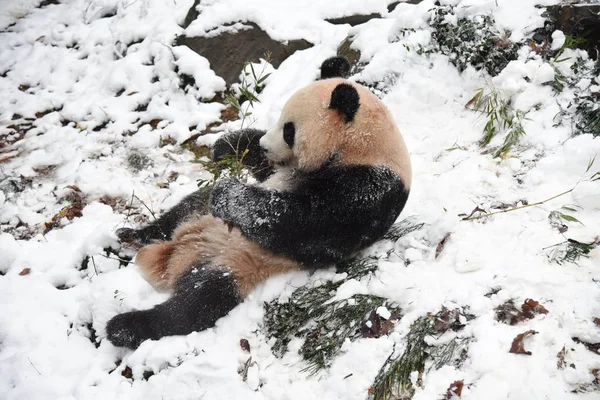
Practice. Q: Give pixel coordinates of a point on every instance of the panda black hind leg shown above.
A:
(202, 295)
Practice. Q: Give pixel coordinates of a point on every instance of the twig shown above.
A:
(130, 207)
(36, 370)
(149, 210)
(94, 264)
(539, 203)
(114, 258)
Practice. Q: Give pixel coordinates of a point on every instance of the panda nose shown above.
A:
(264, 149)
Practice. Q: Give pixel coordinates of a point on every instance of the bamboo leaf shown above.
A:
(261, 80)
(570, 218)
(590, 164)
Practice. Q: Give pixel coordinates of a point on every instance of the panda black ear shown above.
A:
(346, 100)
(335, 67)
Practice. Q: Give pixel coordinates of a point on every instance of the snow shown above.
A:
(93, 63)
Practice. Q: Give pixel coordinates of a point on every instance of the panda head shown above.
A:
(335, 119)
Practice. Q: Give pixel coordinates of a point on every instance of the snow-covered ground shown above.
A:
(101, 77)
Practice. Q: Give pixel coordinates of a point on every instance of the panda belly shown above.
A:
(282, 180)
(208, 241)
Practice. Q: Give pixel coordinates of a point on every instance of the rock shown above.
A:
(228, 51)
(392, 6)
(353, 20)
(350, 54)
(192, 14)
(577, 19)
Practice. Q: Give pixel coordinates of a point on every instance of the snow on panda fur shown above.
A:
(333, 175)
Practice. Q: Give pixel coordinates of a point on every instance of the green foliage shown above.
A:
(402, 228)
(233, 165)
(587, 114)
(559, 218)
(571, 42)
(394, 378)
(584, 110)
(230, 165)
(251, 86)
(571, 251)
(325, 324)
(334, 323)
(138, 160)
(472, 41)
(500, 117)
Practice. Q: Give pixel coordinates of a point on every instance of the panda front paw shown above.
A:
(130, 329)
(223, 197)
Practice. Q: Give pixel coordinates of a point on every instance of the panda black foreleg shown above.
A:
(245, 145)
(202, 296)
(163, 227)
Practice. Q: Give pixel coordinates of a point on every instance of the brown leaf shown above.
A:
(154, 123)
(127, 373)
(476, 209)
(72, 211)
(561, 363)
(511, 315)
(446, 319)
(75, 188)
(533, 307)
(454, 390)
(25, 271)
(518, 347)
(440, 246)
(245, 345)
(375, 326)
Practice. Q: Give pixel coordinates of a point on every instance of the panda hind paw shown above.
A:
(126, 235)
(129, 329)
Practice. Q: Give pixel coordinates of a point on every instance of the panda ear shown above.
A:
(335, 67)
(346, 100)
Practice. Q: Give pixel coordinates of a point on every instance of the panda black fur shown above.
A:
(333, 175)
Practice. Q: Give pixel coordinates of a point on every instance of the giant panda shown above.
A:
(332, 175)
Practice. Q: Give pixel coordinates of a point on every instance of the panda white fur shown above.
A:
(334, 174)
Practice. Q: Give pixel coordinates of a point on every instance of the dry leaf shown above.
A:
(561, 363)
(74, 188)
(440, 246)
(25, 271)
(454, 390)
(127, 373)
(511, 315)
(375, 326)
(448, 319)
(518, 347)
(245, 345)
(533, 307)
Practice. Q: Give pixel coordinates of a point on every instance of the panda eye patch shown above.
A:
(289, 133)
